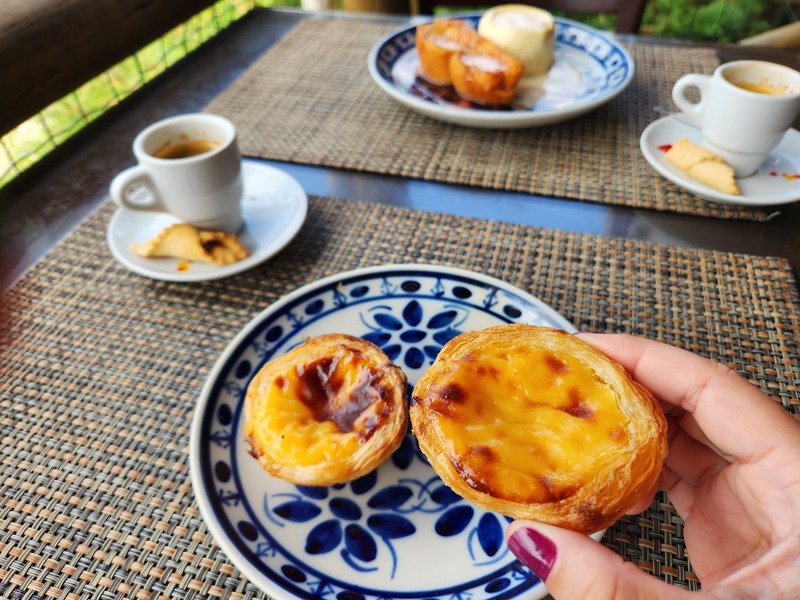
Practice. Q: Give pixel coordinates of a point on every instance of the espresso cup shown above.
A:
(744, 109)
(188, 166)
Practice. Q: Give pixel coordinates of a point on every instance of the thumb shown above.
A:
(573, 565)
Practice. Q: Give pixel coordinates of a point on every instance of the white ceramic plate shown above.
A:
(777, 181)
(397, 532)
(590, 68)
(274, 208)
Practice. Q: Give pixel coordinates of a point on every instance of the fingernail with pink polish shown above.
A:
(534, 550)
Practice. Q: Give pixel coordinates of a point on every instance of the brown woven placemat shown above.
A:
(103, 367)
(311, 100)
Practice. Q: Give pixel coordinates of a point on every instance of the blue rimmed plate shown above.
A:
(397, 532)
(590, 69)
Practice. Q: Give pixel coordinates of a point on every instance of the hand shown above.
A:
(732, 473)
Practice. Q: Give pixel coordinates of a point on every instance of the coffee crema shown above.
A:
(762, 88)
(185, 149)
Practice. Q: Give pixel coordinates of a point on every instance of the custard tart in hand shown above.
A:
(535, 423)
(326, 412)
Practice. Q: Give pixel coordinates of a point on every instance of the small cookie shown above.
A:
(702, 165)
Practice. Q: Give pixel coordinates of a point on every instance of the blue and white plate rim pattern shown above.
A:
(223, 379)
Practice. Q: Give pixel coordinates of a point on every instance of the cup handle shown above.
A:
(126, 181)
(694, 110)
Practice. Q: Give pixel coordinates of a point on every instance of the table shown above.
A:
(102, 368)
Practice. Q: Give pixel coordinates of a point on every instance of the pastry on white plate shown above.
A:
(187, 242)
(452, 53)
(439, 40)
(484, 74)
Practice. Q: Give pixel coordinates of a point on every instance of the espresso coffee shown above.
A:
(761, 88)
(185, 149)
(744, 109)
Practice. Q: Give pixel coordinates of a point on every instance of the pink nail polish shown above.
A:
(534, 550)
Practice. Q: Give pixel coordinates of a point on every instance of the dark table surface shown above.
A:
(44, 204)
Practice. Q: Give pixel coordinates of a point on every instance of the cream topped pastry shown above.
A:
(525, 32)
(485, 63)
(484, 74)
(437, 42)
(452, 53)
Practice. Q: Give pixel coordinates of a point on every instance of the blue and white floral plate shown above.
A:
(590, 69)
(397, 532)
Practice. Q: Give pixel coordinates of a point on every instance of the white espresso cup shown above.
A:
(190, 167)
(744, 110)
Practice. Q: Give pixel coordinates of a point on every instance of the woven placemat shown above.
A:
(311, 100)
(102, 369)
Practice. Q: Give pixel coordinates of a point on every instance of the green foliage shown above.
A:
(713, 20)
(30, 141)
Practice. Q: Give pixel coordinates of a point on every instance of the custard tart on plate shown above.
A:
(328, 411)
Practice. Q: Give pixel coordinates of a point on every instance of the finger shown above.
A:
(687, 424)
(688, 463)
(692, 458)
(725, 406)
(646, 500)
(681, 493)
(573, 565)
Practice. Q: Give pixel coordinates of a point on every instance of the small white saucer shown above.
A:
(274, 207)
(777, 181)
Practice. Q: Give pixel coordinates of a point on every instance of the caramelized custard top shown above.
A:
(326, 408)
(520, 423)
(340, 395)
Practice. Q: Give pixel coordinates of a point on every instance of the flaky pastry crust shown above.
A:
(187, 242)
(327, 411)
(534, 423)
(452, 53)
